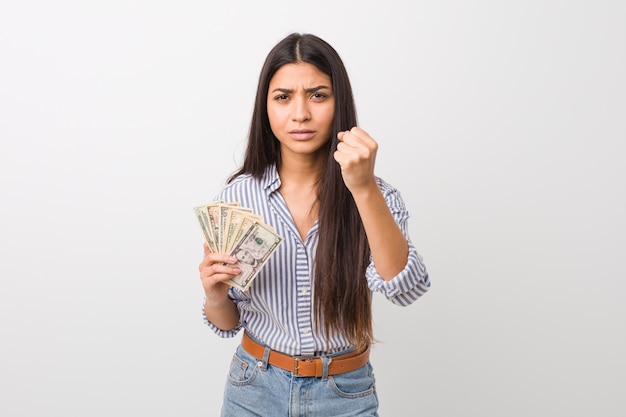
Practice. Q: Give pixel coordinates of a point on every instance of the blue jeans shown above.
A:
(255, 388)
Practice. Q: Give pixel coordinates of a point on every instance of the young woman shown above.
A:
(309, 172)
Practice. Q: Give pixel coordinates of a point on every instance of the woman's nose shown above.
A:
(301, 111)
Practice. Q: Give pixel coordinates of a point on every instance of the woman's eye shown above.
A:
(281, 97)
(318, 96)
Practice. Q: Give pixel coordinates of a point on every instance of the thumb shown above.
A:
(206, 249)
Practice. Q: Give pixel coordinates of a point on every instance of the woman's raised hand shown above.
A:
(356, 155)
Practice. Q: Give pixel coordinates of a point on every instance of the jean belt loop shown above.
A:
(266, 357)
(326, 361)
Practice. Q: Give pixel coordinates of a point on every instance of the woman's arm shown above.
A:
(356, 154)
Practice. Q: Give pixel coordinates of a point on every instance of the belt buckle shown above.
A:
(297, 360)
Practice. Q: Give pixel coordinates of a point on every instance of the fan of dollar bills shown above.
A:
(230, 228)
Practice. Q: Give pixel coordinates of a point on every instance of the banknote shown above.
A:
(252, 252)
(228, 216)
(237, 222)
(230, 228)
(199, 211)
(205, 225)
(214, 213)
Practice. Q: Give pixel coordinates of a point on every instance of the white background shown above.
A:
(503, 123)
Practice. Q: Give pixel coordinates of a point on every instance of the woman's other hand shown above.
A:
(356, 155)
(214, 269)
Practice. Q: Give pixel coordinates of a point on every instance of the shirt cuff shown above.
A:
(221, 333)
(406, 287)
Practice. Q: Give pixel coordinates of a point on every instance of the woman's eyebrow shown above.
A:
(314, 89)
(307, 90)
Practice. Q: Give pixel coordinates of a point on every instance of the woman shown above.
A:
(309, 172)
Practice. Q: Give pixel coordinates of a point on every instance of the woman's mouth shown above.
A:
(301, 134)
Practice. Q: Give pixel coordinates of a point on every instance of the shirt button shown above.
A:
(305, 331)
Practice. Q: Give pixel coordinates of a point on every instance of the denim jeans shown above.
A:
(255, 388)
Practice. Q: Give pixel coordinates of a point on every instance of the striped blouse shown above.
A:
(277, 309)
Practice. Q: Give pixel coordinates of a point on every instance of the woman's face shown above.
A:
(300, 108)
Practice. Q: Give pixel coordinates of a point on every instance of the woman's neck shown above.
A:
(304, 172)
(299, 180)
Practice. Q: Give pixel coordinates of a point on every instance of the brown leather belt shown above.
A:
(303, 366)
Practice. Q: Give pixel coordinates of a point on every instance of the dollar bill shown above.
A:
(236, 223)
(252, 252)
(203, 225)
(202, 215)
(230, 228)
(215, 222)
(228, 215)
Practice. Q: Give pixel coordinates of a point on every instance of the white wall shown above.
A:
(502, 123)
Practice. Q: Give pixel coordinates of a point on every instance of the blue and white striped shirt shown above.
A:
(277, 309)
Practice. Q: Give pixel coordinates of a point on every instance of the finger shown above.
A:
(207, 250)
(342, 155)
(351, 139)
(358, 131)
(343, 158)
(359, 137)
(352, 146)
(220, 278)
(212, 258)
(342, 135)
(218, 271)
(215, 278)
(222, 258)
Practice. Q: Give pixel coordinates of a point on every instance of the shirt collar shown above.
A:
(271, 180)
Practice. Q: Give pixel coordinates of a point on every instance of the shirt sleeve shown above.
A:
(413, 281)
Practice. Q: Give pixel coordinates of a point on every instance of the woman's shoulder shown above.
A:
(240, 183)
(240, 180)
(246, 185)
(248, 180)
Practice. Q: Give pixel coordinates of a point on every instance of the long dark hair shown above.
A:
(342, 299)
